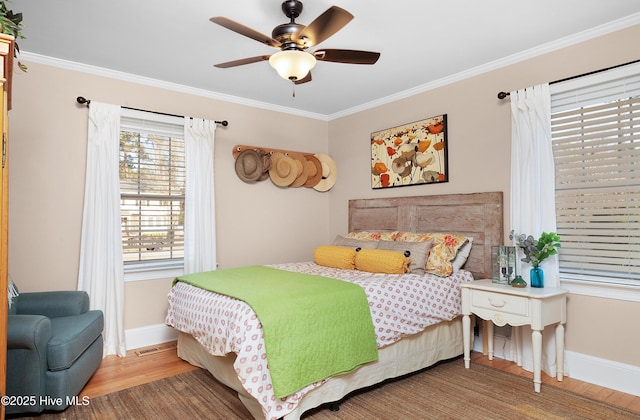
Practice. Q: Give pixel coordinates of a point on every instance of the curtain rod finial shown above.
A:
(83, 101)
(502, 95)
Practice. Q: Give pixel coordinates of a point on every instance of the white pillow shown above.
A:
(462, 255)
(12, 291)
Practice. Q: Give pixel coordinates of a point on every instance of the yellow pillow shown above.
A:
(335, 256)
(382, 261)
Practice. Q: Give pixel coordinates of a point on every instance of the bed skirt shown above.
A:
(438, 342)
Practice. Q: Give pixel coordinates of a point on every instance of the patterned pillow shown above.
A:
(372, 236)
(418, 252)
(443, 251)
(382, 261)
(356, 244)
(335, 256)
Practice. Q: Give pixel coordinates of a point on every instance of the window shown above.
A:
(596, 144)
(152, 188)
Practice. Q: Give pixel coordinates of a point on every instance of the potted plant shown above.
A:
(11, 24)
(536, 251)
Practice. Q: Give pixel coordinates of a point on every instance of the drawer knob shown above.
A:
(497, 304)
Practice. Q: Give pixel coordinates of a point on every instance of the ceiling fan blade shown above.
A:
(242, 61)
(347, 56)
(244, 30)
(325, 25)
(305, 79)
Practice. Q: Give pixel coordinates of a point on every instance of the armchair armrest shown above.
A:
(53, 304)
(29, 332)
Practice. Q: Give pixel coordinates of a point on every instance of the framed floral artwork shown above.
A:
(410, 154)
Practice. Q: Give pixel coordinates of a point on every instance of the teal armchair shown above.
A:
(54, 346)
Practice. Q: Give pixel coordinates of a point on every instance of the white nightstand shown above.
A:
(503, 304)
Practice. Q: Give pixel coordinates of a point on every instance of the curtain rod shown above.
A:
(83, 101)
(502, 95)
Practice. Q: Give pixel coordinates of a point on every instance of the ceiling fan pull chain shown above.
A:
(293, 88)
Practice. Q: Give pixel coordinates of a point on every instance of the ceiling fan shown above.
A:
(292, 62)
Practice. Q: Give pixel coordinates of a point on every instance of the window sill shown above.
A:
(152, 274)
(602, 290)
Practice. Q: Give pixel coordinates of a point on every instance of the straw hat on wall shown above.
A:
(329, 172)
(252, 165)
(301, 168)
(314, 167)
(284, 169)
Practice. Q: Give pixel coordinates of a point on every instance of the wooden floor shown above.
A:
(116, 373)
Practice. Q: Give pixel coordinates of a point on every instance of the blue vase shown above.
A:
(536, 278)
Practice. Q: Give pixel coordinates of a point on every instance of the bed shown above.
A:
(478, 216)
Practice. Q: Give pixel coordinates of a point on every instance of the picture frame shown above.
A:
(410, 154)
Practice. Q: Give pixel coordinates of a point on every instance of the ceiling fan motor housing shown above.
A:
(287, 32)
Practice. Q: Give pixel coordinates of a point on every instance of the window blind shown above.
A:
(596, 146)
(597, 88)
(152, 187)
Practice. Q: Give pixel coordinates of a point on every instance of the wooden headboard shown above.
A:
(477, 215)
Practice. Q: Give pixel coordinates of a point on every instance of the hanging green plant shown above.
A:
(11, 24)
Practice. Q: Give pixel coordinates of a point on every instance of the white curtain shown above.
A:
(199, 213)
(101, 272)
(533, 202)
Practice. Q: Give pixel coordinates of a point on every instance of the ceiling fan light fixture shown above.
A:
(292, 64)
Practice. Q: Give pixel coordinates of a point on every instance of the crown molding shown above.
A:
(549, 47)
(574, 39)
(147, 81)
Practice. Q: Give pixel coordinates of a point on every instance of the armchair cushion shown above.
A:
(53, 304)
(71, 336)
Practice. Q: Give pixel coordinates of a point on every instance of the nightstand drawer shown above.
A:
(516, 305)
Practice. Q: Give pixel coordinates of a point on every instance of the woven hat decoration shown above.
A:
(266, 164)
(249, 166)
(329, 172)
(314, 167)
(302, 169)
(283, 169)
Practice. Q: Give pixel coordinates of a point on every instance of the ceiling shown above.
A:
(422, 43)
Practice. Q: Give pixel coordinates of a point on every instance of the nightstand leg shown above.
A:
(536, 341)
(489, 332)
(560, 351)
(466, 339)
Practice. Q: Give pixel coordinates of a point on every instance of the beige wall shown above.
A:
(256, 224)
(261, 223)
(479, 135)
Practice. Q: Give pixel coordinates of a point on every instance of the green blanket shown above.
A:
(314, 327)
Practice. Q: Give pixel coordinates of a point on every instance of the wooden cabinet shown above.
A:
(6, 67)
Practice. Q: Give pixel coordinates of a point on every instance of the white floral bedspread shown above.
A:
(401, 305)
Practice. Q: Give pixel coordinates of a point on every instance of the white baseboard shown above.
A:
(150, 335)
(602, 372)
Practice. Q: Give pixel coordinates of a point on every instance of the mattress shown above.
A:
(401, 306)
